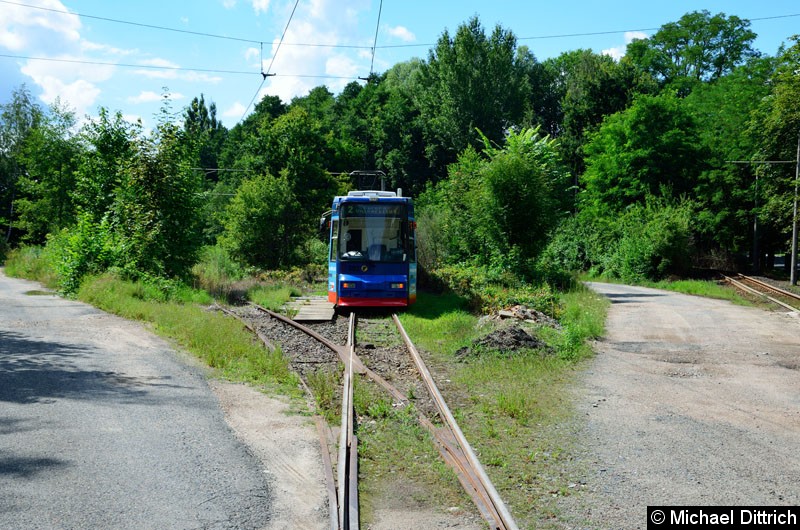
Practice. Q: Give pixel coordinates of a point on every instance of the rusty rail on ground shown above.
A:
(449, 440)
(739, 283)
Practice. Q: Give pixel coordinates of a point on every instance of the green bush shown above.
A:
(647, 241)
(489, 290)
(263, 227)
(656, 243)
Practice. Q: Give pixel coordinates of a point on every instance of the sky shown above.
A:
(90, 54)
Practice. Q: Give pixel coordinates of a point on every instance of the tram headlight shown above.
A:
(348, 285)
(398, 286)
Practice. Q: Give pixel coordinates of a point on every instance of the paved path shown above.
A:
(103, 425)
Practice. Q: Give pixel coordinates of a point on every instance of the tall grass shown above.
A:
(219, 341)
(273, 296)
(33, 263)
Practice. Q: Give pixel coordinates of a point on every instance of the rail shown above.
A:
(741, 283)
(449, 439)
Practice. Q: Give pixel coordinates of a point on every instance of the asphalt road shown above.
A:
(103, 425)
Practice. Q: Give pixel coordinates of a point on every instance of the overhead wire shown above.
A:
(344, 46)
(171, 68)
(375, 40)
(130, 23)
(266, 74)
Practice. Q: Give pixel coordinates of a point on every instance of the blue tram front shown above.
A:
(372, 253)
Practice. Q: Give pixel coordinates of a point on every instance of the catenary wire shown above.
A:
(266, 74)
(171, 68)
(351, 46)
(375, 41)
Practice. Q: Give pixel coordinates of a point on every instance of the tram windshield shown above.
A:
(374, 232)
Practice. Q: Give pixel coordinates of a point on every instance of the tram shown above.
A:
(372, 257)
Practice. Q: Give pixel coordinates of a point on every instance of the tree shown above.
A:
(46, 185)
(18, 118)
(651, 148)
(156, 212)
(699, 47)
(495, 210)
(594, 86)
(295, 148)
(205, 134)
(470, 82)
(726, 193)
(775, 127)
(109, 146)
(263, 223)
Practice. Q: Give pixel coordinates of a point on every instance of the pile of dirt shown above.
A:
(506, 341)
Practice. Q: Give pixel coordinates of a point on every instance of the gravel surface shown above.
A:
(104, 425)
(689, 401)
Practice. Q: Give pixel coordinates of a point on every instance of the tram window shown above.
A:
(374, 233)
(334, 239)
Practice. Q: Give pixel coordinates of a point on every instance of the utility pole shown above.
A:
(793, 273)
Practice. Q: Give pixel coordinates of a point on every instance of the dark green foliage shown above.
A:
(18, 119)
(156, 211)
(110, 147)
(776, 128)
(482, 228)
(263, 225)
(699, 47)
(470, 81)
(47, 158)
(588, 87)
(647, 241)
(655, 243)
(652, 148)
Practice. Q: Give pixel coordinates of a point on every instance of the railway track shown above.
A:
(433, 412)
(754, 286)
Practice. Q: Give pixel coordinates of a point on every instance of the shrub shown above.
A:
(656, 243)
(262, 226)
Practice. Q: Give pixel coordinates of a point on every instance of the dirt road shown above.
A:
(689, 401)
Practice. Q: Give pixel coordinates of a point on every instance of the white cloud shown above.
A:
(228, 4)
(89, 46)
(251, 54)
(147, 96)
(74, 83)
(618, 52)
(341, 66)
(234, 111)
(79, 94)
(321, 22)
(401, 33)
(260, 6)
(36, 30)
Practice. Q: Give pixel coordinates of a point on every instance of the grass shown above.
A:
(516, 410)
(33, 263)
(221, 342)
(272, 297)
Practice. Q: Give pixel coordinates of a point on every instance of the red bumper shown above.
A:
(372, 302)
